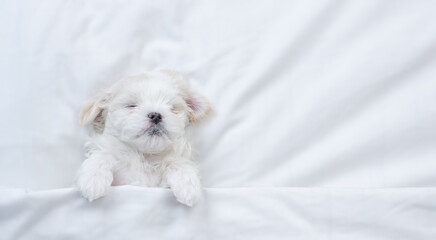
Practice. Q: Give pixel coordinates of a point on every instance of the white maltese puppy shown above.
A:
(138, 136)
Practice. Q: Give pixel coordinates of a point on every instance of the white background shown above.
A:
(338, 94)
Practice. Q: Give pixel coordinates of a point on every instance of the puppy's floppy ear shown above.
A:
(95, 112)
(198, 106)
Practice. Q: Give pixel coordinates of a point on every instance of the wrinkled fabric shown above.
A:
(238, 213)
(318, 99)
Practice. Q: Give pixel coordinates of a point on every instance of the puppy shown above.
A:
(138, 136)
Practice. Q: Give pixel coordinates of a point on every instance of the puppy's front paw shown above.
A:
(94, 186)
(187, 188)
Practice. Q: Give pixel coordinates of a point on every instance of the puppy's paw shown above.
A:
(94, 186)
(187, 188)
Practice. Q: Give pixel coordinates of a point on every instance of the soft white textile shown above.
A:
(256, 213)
(307, 94)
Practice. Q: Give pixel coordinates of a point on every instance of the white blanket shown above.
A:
(236, 213)
(324, 125)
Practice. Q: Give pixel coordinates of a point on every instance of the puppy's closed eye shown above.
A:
(131, 105)
(176, 108)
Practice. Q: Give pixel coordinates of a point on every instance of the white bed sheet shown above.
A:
(237, 213)
(314, 94)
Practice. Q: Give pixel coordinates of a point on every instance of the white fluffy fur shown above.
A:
(121, 148)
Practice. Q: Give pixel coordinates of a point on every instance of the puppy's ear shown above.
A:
(95, 112)
(89, 113)
(198, 106)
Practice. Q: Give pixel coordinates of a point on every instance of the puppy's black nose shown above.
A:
(155, 117)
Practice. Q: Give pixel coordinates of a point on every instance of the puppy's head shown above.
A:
(147, 111)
